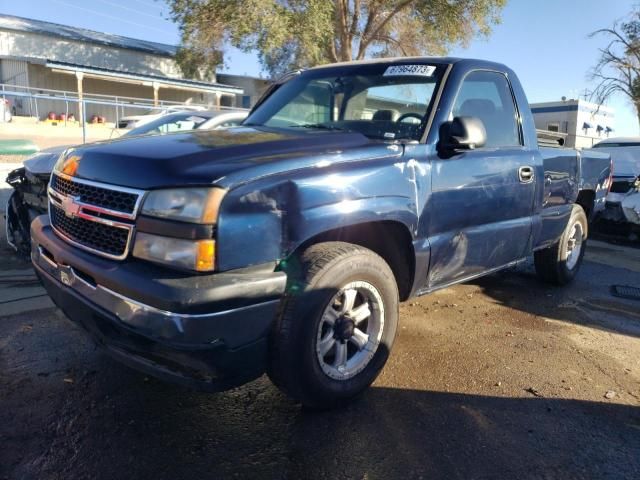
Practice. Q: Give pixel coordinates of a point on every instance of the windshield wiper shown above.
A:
(319, 126)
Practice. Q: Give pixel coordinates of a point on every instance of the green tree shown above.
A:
(618, 69)
(290, 34)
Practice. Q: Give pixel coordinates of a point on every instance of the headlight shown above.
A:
(196, 255)
(194, 205)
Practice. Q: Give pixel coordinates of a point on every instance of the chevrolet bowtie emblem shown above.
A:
(70, 206)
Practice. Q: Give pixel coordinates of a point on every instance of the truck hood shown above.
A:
(220, 157)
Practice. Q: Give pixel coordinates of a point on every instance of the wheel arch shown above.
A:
(586, 199)
(390, 239)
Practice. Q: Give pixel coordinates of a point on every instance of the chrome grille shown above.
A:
(97, 236)
(95, 217)
(93, 195)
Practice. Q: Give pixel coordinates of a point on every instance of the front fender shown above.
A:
(266, 220)
(350, 213)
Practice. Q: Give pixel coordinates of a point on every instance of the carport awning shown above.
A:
(118, 76)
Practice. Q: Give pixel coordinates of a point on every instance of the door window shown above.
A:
(487, 96)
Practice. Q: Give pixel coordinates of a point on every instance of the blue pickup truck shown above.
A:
(286, 244)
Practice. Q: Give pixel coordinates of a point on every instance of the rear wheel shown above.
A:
(336, 325)
(560, 262)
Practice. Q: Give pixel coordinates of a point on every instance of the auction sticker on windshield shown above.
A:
(416, 70)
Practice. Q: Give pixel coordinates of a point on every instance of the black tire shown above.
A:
(551, 263)
(315, 277)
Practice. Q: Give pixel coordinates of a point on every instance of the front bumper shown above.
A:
(211, 340)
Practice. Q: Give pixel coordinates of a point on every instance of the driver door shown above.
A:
(481, 205)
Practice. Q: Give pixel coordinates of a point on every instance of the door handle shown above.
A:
(526, 174)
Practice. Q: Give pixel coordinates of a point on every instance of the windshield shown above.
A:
(378, 100)
(178, 122)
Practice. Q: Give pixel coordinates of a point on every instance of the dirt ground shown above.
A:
(501, 378)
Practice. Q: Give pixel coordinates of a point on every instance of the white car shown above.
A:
(183, 121)
(190, 120)
(134, 121)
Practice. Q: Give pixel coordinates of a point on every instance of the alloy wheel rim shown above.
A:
(573, 246)
(350, 330)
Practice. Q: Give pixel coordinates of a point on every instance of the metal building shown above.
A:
(584, 123)
(56, 60)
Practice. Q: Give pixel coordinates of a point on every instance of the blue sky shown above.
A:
(545, 41)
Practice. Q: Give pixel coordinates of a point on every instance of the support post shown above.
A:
(156, 96)
(81, 112)
(66, 109)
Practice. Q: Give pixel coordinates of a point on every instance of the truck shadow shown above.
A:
(158, 431)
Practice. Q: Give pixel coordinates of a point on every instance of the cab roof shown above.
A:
(419, 59)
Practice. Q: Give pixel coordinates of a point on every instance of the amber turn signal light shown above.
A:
(205, 256)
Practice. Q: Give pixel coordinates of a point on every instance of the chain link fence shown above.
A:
(86, 112)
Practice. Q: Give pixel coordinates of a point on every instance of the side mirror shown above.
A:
(462, 133)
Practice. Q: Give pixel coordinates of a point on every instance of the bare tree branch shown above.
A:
(612, 31)
(618, 69)
(375, 30)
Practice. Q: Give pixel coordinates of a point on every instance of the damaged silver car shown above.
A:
(29, 196)
(621, 215)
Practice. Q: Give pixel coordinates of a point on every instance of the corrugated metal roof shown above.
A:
(21, 24)
(136, 76)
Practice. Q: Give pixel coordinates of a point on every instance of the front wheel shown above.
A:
(336, 325)
(560, 262)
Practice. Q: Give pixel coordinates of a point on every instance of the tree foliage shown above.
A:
(291, 34)
(618, 69)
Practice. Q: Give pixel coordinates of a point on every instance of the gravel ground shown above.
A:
(500, 378)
